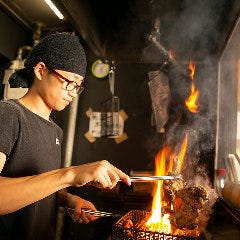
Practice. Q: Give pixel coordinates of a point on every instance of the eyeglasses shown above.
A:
(69, 85)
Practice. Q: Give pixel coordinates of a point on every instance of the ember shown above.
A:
(132, 226)
(172, 199)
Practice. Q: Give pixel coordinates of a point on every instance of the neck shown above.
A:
(36, 105)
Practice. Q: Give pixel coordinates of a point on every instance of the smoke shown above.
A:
(195, 28)
(195, 34)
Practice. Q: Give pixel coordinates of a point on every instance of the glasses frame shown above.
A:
(78, 89)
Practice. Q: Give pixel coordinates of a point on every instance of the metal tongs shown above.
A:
(154, 178)
(95, 213)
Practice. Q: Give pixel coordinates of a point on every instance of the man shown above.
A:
(30, 144)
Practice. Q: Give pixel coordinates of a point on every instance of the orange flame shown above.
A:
(192, 68)
(191, 101)
(157, 222)
(181, 155)
(171, 55)
(170, 164)
(164, 165)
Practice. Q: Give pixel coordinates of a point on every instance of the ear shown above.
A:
(39, 70)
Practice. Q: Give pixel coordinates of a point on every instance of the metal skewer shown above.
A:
(154, 178)
(96, 212)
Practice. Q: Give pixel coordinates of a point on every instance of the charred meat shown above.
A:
(187, 203)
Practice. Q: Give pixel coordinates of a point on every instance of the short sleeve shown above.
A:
(9, 127)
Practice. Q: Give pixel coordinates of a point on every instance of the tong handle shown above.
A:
(96, 212)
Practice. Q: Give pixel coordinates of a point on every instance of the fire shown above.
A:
(191, 101)
(159, 222)
(192, 68)
(181, 155)
(171, 55)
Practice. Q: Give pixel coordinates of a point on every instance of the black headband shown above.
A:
(61, 51)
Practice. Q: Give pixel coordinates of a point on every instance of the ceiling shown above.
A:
(121, 30)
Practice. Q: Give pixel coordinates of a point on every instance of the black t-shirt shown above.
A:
(32, 145)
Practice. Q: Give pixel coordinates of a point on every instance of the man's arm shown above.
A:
(2, 161)
(16, 193)
(74, 206)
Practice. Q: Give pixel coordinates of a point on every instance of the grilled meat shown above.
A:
(187, 204)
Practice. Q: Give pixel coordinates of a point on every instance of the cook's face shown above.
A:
(59, 88)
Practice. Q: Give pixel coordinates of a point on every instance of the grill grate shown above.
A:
(132, 227)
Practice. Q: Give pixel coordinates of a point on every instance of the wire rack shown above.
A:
(137, 231)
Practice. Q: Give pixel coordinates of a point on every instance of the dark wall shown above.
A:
(132, 89)
(13, 35)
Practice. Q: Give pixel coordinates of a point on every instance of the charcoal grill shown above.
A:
(138, 230)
